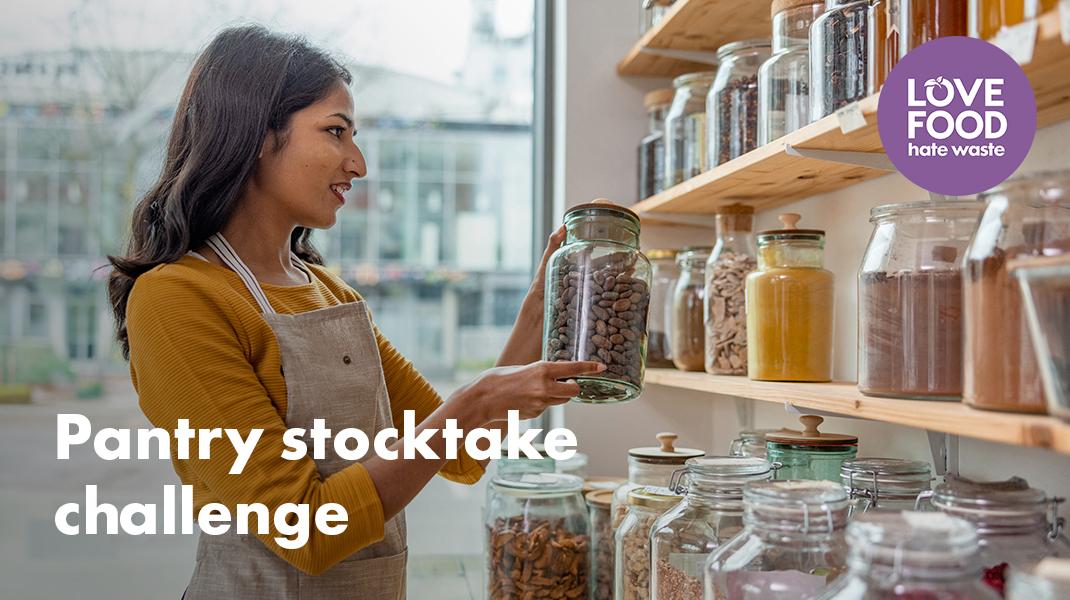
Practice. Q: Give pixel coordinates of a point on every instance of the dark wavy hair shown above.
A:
(246, 83)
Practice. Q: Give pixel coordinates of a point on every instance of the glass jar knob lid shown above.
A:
(666, 451)
(790, 230)
(810, 436)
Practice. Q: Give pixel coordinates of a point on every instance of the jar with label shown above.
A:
(685, 128)
(911, 555)
(710, 514)
(886, 484)
(725, 318)
(838, 56)
(987, 17)
(810, 454)
(790, 307)
(652, 147)
(632, 541)
(537, 537)
(732, 102)
(792, 546)
(751, 442)
(659, 322)
(597, 293)
(1025, 217)
(651, 466)
(602, 555)
(784, 79)
(688, 308)
(910, 299)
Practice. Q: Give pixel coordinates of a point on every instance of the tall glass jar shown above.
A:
(632, 541)
(810, 454)
(1025, 217)
(535, 524)
(1045, 284)
(710, 514)
(652, 147)
(659, 328)
(882, 45)
(784, 79)
(732, 102)
(685, 128)
(910, 299)
(602, 555)
(911, 555)
(792, 545)
(751, 442)
(987, 17)
(838, 48)
(886, 484)
(688, 307)
(790, 306)
(926, 20)
(725, 315)
(597, 293)
(650, 466)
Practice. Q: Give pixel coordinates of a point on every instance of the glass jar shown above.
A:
(790, 307)
(784, 79)
(732, 101)
(652, 147)
(925, 20)
(710, 514)
(751, 442)
(911, 555)
(512, 468)
(792, 545)
(685, 128)
(838, 48)
(632, 541)
(1025, 217)
(577, 465)
(810, 454)
(882, 45)
(535, 523)
(987, 17)
(688, 306)
(659, 323)
(602, 555)
(886, 484)
(650, 466)
(597, 293)
(1045, 284)
(725, 314)
(910, 299)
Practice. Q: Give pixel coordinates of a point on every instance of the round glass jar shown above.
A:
(784, 79)
(688, 307)
(710, 514)
(602, 555)
(650, 466)
(725, 314)
(659, 323)
(792, 545)
(685, 128)
(732, 101)
(810, 454)
(536, 524)
(751, 442)
(632, 541)
(885, 484)
(910, 299)
(652, 147)
(597, 293)
(1025, 217)
(838, 61)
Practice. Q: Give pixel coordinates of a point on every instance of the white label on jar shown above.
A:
(773, 585)
(850, 118)
(1018, 41)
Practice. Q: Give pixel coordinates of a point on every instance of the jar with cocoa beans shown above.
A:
(602, 554)
(651, 465)
(725, 315)
(886, 484)
(537, 538)
(838, 56)
(784, 79)
(597, 295)
(659, 320)
(685, 128)
(632, 541)
(652, 147)
(732, 101)
(688, 310)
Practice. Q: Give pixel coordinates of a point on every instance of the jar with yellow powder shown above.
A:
(789, 306)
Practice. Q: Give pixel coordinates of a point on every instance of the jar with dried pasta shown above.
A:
(725, 316)
(632, 541)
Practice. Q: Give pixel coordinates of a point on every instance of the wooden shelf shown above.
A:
(844, 399)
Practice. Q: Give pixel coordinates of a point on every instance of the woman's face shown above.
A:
(306, 179)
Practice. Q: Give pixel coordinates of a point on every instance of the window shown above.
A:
(36, 320)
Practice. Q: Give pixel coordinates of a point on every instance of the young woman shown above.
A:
(229, 320)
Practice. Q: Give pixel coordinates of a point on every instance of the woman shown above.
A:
(229, 320)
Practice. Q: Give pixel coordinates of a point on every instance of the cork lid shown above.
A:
(659, 97)
(735, 217)
(790, 231)
(599, 498)
(810, 436)
(782, 5)
(661, 498)
(661, 254)
(666, 451)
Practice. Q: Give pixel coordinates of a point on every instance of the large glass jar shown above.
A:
(838, 48)
(652, 147)
(688, 308)
(810, 454)
(512, 468)
(910, 299)
(632, 541)
(911, 555)
(784, 79)
(790, 307)
(536, 541)
(732, 102)
(602, 555)
(710, 514)
(725, 316)
(1025, 217)
(885, 484)
(650, 466)
(751, 442)
(792, 545)
(685, 128)
(659, 322)
(597, 293)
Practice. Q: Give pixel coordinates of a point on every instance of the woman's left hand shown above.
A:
(537, 292)
(525, 341)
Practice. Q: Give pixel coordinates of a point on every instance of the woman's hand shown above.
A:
(530, 389)
(525, 341)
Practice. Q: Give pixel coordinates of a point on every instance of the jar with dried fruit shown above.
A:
(725, 314)
(688, 307)
(886, 484)
(597, 294)
(651, 465)
(632, 541)
(602, 554)
(537, 538)
(659, 322)
(685, 128)
(784, 79)
(652, 147)
(732, 101)
(838, 61)
(810, 454)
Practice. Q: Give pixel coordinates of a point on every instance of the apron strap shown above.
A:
(226, 253)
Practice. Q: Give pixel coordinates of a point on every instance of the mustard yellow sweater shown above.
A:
(199, 350)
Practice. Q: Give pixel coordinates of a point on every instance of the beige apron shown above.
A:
(333, 371)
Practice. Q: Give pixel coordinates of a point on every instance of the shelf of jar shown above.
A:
(843, 398)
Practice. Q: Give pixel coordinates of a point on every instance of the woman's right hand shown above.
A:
(529, 389)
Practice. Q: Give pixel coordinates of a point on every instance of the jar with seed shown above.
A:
(659, 322)
(602, 554)
(886, 484)
(784, 79)
(685, 128)
(653, 466)
(632, 551)
(838, 56)
(725, 315)
(732, 102)
(652, 147)
(688, 309)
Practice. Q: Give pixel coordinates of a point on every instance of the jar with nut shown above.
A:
(632, 551)
(651, 465)
(688, 308)
(602, 556)
(664, 276)
(597, 296)
(725, 315)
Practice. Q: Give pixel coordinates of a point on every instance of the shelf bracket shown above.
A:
(945, 451)
(870, 160)
(708, 58)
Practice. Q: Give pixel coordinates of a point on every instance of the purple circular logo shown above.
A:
(957, 116)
